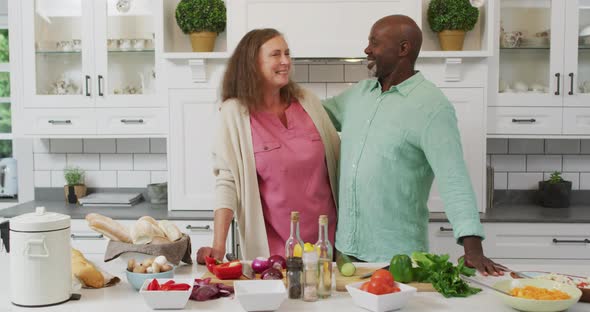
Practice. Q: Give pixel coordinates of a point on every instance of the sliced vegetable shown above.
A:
(271, 274)
(401, 268)
(211, 263)
(154, 285)
(228, 270)
(345, 265)
(278, 262)
(211, 291)
(260, 264)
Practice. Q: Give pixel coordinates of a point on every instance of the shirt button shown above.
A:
(353, 165)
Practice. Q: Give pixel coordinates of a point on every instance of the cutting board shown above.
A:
(342, 281)
(230, 282)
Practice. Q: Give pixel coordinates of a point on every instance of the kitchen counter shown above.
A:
(528, 213)
(122, 297)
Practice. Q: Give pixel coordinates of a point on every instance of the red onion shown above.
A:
(271, 274)
(278, 262)
(260, 264)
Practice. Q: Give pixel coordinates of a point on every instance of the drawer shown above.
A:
(60, 121)
(200, 232)
(538, 241)
(442, 241)
(524, 120)
(132, 120)
(576, 120)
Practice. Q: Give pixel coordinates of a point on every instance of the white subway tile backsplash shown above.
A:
(83, 161)
(300, 73)
(524, 180)
(538, 163)
(333, 89)
(133, 178)
(57, 178)
(497, 146)
(140, 145)
(100, 146)
(116, 162)
(42, 178)
(585, 181)
(319, 89)
(158, 145)
(500, 180)
(562, 146)
(574, 177)
(585, 147)
(159, 176)
(508, 163)
(101, 178)
(49, 161)
(355, 72)
(576, 163)
(149, 162)
(41, 146)
(526, 146)
(66, 145)
(326, 73)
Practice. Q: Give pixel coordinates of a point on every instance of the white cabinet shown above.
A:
(469, 107)
(442, 241)
(91, 57)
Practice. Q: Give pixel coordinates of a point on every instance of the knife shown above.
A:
(367, 275)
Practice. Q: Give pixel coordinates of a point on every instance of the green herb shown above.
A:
(74, 176)
(452, 15)
(444, 276)
(201, 15)
(555, 178)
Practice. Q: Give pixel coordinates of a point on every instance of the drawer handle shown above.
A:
(87, 87)
(524, 120)
(60, 122)
(571, 84)
(77, 236)
(198, 228)
(132, 121)
(444, 229)
(558, 75)
(100, 93)
(583, 241)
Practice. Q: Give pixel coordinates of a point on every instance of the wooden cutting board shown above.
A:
(230, 282)
(342, 281)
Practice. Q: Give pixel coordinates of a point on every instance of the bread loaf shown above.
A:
(108, 227)
(143, 232)
(158, 240)
(170, 229)
(149, 219)
(85, 271)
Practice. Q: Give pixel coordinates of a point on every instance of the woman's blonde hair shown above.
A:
(243, 79)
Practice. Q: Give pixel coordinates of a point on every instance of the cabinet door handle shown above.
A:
(198, 228)
(572, 241)
(100, 85)
(89, 237)
(558, 75)
(571, 84)
(132, 121)
(444, 229)
(531, 120)
(60, 122)
(87, 85)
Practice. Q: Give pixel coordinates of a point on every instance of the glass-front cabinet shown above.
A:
(577, 57)
(98, 53)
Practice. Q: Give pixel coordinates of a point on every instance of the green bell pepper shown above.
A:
(401, 268)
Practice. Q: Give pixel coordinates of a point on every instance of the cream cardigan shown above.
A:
(236, 185)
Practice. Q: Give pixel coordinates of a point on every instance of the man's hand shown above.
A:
(474, 257)
(217, 253)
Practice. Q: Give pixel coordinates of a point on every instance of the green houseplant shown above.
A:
(555, 192)
(451, 19)
(74, 188)
(203, 20)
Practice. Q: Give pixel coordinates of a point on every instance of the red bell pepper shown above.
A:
(211, 263)
(228, 270)
(181, 286)
(153, 285)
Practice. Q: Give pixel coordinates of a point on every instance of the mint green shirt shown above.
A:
(393, 144)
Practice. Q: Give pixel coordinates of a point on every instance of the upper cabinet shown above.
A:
(91, 55)
(543, 62)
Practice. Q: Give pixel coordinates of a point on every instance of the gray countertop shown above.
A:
(501, 213)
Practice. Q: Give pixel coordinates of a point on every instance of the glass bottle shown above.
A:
(294, 277)
(310, 276)
(324, 249)
(294, 245)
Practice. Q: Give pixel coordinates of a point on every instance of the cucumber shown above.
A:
(345, 265)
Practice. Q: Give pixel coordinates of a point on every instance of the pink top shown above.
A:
(292, 175)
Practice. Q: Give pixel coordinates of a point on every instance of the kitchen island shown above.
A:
(122, 297)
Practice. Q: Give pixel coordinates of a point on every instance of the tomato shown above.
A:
(364, 286)
(377, 287)
(383, 276)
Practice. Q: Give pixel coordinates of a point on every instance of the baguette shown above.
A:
(158, 240)
(142, 232)
(85, 271)
(170, 229)
(149, 219)
(108, 227)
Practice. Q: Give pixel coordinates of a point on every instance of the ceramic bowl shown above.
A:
(380, 303)
(533, 305)
(172, 299)
(137, 279)
(260, 295)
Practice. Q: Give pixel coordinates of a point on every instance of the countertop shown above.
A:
(521, 213)
(122, 297)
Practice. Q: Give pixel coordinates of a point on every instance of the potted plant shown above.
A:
(451, 19)
(203, 20)
(555, 192)
(74, 188)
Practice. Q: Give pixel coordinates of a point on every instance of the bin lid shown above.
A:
(39, 221)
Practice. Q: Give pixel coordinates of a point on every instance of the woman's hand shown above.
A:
(217, 253)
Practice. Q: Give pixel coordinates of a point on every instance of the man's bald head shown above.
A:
(403, 28)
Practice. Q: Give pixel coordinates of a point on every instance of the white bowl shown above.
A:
(380, 303)
(170, 299)
(532, 305)
(260, 295)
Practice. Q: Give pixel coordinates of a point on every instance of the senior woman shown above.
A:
(276, 151)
